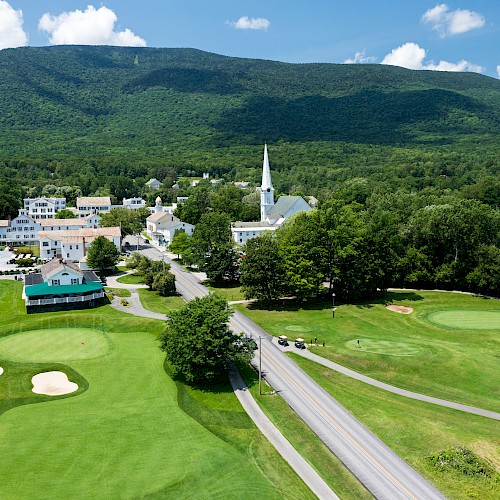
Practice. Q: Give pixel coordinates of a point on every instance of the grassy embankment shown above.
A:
(416, 430)
(128, 431)
(422, 351)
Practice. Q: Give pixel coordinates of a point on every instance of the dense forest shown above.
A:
(405, 164)
(90, 116)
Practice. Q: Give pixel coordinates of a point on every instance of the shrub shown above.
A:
(461, 459)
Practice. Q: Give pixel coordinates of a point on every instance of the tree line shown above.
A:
(352, 249)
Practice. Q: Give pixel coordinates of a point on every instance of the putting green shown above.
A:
(385, 347)
(297, 328)
(58, 344)
(467, 319)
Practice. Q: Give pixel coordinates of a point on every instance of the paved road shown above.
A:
(387, 387)
(383, 472)
(282, 445)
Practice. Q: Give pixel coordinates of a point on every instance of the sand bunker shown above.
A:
(400, 309)
(52, 384)
(1, 370)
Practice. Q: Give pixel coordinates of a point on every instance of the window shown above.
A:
(45, 244)
(65, 274)
(75, 281)
(56, 282)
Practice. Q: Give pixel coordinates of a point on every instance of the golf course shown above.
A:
(129, 430)
(446, 347)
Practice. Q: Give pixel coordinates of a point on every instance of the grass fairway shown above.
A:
(415, 430)
(127, 432)
(421, 351)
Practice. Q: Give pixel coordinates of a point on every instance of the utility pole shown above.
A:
(260, 366)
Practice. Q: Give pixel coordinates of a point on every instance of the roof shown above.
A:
(253, 225)
(152, 181)
(77, 235)
(284, 204)
(56, 264)
(90, 276)
(95, 201)
(33, 279)
(158, 217)
(63, 222)
(46, 289)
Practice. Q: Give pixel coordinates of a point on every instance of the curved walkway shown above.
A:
(387, 387)
(135, 306)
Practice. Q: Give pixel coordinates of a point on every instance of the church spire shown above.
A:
(266, 188)
(266, 171)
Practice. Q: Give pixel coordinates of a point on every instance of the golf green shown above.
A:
(467, 319)
(58, 344)
(385, 347)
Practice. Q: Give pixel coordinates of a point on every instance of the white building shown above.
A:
(154, 183)
(61, 285)
(161, 227)
(43, 208)
(24, 230)
(92, 205)
(72, 245)
(133, 203)
(272, 215)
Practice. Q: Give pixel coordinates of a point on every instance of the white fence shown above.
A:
(64, 300)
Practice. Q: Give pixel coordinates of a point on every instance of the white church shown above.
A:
(272, 215)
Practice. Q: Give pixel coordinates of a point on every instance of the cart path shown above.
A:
(306, 472)
(387, 387)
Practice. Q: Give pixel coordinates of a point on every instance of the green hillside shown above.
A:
(191, 109)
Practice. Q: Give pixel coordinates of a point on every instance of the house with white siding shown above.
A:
(89, 205)
(43, 208)
(73, 244)
(161, 227)
(61, 285)
(24, 230)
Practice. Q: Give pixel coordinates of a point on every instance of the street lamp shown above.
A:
(333, 305)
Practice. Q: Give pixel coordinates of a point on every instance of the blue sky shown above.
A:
(459, 35)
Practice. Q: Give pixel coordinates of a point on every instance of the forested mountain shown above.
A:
(75, 111)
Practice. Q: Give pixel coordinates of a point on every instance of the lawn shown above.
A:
(229, 293)
(415, 430)
(130, 431)
(446, 347)
(119, 292)
(130, 279)
(153, 301)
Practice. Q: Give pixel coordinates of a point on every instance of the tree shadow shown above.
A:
(387, 298)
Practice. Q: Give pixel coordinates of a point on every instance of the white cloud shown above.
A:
(90, 27)
(361, 58)
(11, 27)
(250, 23)
(412, 56)
(462, 65)
(452, 22)
(409, 55)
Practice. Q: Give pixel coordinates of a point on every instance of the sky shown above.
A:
(462, 35)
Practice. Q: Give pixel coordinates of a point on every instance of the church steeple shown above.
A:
(266, 189)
